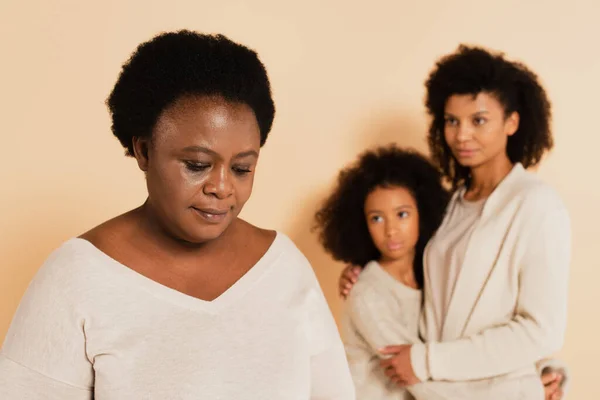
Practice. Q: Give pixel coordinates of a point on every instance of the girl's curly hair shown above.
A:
(341, 222)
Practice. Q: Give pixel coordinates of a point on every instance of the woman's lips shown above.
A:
(465, 153)
(211, 215)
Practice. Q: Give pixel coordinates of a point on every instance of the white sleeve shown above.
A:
(18, 382)
(329, 371)
(43, 355)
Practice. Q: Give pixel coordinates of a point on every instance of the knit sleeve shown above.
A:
(43, 355)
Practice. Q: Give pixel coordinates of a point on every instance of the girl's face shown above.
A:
(393, 221)
(477, 129)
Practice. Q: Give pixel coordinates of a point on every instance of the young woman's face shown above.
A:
(200, 166)
(476, 128)
(393, 221)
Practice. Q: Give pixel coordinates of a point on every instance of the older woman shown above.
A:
(179, 298)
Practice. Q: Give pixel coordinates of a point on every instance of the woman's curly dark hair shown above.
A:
(183, 63)
(472, 70)
(341, 221)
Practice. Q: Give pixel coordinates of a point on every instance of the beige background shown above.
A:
(346, 75)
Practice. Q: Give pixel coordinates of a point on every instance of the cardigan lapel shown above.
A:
(483, 248)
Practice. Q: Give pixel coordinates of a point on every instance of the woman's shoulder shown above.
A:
(277, 247)
(76, 267)
(68, 271)
(535, 193)
(253, 236)
(273, 241)
(68, 255)
(112, 229)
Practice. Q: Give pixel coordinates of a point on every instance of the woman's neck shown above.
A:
(152, 230)
(402, 269)
(485, 178)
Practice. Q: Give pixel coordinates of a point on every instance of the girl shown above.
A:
(383, 212)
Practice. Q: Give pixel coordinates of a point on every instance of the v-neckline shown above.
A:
(239, 288)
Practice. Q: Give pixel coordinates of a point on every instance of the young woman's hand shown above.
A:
(398, 367)
(552, 388)
(348, 278)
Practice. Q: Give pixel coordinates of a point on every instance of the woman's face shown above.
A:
(393, 221)
(200, 166)
(477, 130)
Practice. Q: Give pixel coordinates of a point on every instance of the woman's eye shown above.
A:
(195, 166)
(479, 121)
(241, 170)
(403, 214)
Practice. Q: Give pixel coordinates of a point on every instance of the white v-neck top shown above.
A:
(88, 327)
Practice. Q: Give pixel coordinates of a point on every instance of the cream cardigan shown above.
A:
(509, 305)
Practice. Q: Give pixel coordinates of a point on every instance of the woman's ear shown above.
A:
(511, 125)
(140, 152)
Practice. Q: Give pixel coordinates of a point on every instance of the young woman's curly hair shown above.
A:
(473, 70)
